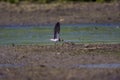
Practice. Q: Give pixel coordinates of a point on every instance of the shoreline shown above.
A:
(66, 55)
(62, 24)
(60, 62)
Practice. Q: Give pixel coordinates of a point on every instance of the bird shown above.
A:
(56, 37)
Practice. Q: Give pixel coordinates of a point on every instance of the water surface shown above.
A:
(11, 65)
(113, 65)
(78, 33)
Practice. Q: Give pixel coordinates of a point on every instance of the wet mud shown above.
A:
(59, 62)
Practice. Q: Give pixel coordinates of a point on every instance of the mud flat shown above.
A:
(57, 62)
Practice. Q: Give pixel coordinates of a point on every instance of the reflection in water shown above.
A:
(97, 66)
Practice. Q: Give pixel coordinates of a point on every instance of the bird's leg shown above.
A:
(55, 43)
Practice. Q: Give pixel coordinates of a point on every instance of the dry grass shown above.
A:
(27, 13)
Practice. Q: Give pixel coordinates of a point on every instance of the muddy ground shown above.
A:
(72, 13)
(57, 62)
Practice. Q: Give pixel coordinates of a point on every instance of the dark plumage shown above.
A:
(57, 31)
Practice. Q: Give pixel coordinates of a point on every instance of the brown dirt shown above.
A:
(54, 62)
(29, 13)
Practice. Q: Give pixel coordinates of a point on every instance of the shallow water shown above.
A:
(78, 33)
(112, 65)
(97, 66)
(11, 65)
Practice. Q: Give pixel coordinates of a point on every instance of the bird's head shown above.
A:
(61, 19)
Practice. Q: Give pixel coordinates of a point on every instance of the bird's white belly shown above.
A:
(54, 40)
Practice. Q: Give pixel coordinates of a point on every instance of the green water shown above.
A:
(78, 33)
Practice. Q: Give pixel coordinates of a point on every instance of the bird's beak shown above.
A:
(61, 20)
